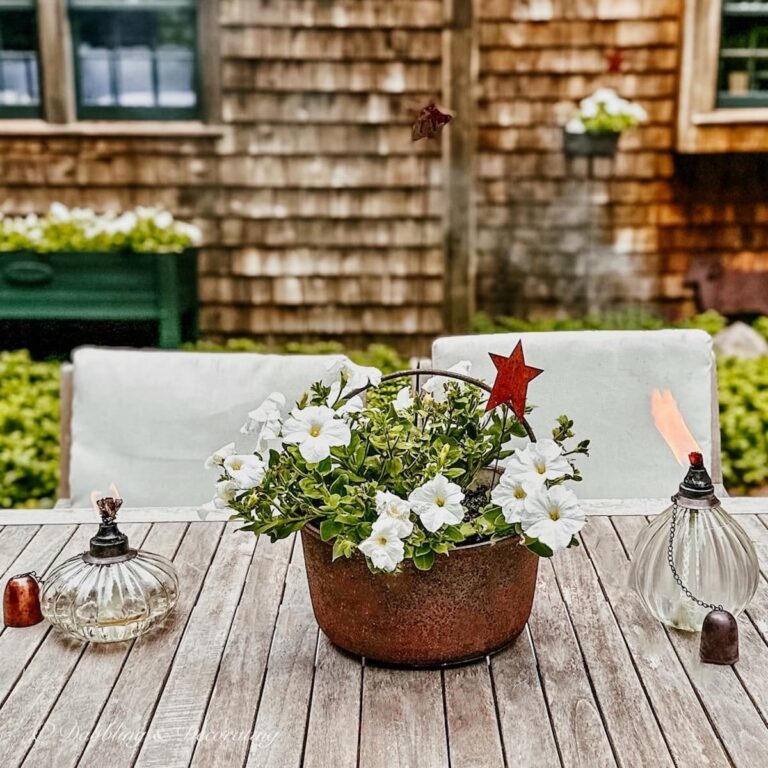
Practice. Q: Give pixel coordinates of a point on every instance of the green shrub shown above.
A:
(29, 430)
(743, 390)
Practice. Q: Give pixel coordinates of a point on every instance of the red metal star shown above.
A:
(614, 61)
(512, 379)
(429, 123)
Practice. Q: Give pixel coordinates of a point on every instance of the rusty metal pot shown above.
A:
(474, 601)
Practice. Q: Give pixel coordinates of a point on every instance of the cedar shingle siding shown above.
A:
(321, 218)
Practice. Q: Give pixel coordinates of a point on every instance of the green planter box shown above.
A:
(103, 286)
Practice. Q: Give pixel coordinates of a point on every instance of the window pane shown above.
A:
(139, 61)
(19, 78)
(743, 78)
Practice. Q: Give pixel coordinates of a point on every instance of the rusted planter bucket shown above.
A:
(473, 602)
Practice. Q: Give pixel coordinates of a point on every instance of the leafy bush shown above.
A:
(29, 430)
(62, 230)
(605, 112)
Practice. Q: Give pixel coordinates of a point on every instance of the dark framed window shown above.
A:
(19, 68)
(743, 71)
(135, 60)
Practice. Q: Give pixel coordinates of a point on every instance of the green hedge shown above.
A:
(29, 404)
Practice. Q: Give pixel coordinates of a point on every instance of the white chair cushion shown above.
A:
(147, 419)
(603, 380)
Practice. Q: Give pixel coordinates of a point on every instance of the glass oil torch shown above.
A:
(694, 561)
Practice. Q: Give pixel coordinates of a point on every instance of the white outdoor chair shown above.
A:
(603, 380)
(147, 419)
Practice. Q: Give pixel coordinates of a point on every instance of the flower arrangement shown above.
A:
(63, 229)
(402, 476)
(605, 112)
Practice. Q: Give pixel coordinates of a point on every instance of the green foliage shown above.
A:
(64, 230)
(606, 112)
(743, 390)
(29, 430)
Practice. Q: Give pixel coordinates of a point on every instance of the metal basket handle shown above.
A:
(445, 374)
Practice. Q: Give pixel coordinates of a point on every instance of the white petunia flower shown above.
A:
(316, 430)
(404, 400)
(357, 376)
(589, 107)
(436, 385)
(510, 495)
(604, 96)
(553, 516)
(60, 212)
(575, 125)
(245, 469)
(216, 459)
(384, 547)
(398, 511)
(437, 503)
(162, 219)
(265, 420)
(537, 463)
(225, 494)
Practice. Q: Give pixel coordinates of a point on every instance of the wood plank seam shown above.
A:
(629, 651)
(140, 745)
(309, 701)
(269, 651)
(498, 711)
(445, 717)
(360, 711)
(124, 661)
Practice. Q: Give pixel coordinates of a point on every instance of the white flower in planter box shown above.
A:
(553, 516)
(216, 459)
(397, 510)
(538, 462)
(225, 494)
(265, 422)
(384, 547)
(437, 503)
(605, 112)
(246, 470)
(404, 400)
(316, 430)
(510, 495)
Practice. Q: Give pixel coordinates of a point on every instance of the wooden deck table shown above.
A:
(240, 675)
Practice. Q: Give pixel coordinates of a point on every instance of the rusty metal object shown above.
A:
(729, 291)
(21, 601)
(719, 638)
(474, 601)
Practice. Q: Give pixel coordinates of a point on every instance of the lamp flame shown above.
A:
(96, 495)
(671, 425)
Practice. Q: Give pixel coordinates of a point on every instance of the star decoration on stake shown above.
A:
(512, 379)
(614, 61)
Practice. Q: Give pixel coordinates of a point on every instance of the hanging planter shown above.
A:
(604, 144)
(418, 550)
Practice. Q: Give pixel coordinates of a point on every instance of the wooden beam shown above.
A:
(459, 141)
(209, 63)
(55, 48)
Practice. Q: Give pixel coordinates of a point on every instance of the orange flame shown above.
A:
(671, 425)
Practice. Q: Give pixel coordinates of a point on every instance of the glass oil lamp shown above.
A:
(694, 558)
(111, 592)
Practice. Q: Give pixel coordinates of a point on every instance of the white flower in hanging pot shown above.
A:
(396, 510)
(537, 463)
(246, 470)
(438, 503)
(384, 546)
(553, 516)
(315, 430)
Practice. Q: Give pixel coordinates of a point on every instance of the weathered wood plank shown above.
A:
(125, 718)
(576, 719)
(523, 715)
(403, 723)
(73, 718)
(224, 737)
(738, 723)
(474, 740)
(664, 678)
(13, 540)
(334, 720)
(278, 733)
(757, 610)
(25, 709)
(737, 505)
(175, 726)
(628, 716)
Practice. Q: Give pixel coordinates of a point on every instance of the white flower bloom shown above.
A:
(636, 112)
(352, 405)
(537, 463)
(316, 430)
(575, 125)
(437, 503)
(216, 459)
(357, 375)
(265, 420)
(589, 107)
(553, 516)
(384, 547)
(59, 211)
(225, 494)
(398, 511)
(404, 400)
(162, 219)
(436, 385)
(604, 96)
(510, 495)
(245, 469)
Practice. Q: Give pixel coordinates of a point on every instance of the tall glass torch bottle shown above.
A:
(693, 557)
